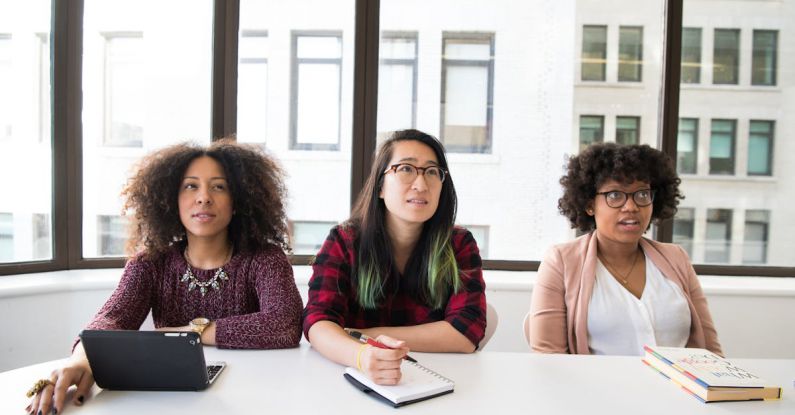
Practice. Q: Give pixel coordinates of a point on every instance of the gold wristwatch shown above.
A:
(198, 324)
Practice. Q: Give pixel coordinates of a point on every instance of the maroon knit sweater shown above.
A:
(257, 308)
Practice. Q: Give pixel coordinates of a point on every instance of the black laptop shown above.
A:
(148, 360)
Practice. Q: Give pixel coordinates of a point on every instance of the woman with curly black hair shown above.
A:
(612, 291)
(207, 253)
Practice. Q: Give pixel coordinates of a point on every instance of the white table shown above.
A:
(300, 381)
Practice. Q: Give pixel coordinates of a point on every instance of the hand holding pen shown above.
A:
(372, 342)
(380, 362)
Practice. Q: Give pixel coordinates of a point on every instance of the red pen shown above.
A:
(372, 342)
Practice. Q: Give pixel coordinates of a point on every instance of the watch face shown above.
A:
(200, 321)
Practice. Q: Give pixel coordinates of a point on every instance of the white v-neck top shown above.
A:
(620, 324)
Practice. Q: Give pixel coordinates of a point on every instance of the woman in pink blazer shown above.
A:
(610, 291)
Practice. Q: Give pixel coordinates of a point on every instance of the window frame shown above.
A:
(774, 66)
(66, 73)
(771, 141)
(489, 65)
(414, 63)
(736, 64)
(107, 89)
(583, 62)
(295, 63)
(639, 58)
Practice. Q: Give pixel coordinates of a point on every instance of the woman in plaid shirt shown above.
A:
(398, 270)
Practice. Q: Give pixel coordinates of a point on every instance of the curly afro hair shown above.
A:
(601, 162)
(256, 184)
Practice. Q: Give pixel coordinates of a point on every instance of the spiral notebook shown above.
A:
(418, 383)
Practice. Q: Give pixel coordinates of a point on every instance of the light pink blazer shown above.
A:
(559, 310)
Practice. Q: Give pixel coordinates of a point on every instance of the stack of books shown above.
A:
(707, 376)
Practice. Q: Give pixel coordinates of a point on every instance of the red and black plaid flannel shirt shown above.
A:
(331, 295)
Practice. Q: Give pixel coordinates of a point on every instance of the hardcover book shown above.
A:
(707, 376)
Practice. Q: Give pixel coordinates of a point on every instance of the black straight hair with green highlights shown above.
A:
(431, 272)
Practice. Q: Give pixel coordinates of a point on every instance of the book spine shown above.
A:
(678, 369)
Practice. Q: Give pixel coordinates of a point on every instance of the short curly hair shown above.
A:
(601, 162)
(256, 185)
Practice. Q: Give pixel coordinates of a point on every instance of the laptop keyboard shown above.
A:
(213, 371)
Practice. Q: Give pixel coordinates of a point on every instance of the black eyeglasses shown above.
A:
(617, 198)
(407, 173)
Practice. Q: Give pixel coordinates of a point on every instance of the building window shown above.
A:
(627, 130)
(691, 55)
(6, 79)
(591, 130)
(481, 235)
(6, 237)
(307, 237)
(760, 148)
(397, 82)
(316, 91)
(42, 243)
(683, 229)
(252, 89)
(726, 56)
(43, 87)
(763, 71)
(718, 238)
(630, 54)
(756, 235)
(467, 92)
(111, 235)
(124, 90)
(687, 146)
(721, 147)
(594, 53)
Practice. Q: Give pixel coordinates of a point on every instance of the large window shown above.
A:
(765, 59)
(252, 89)
(760, 148)
(691, 55)
(755, 236)
(397, 81)
(726, 56)
(721, 147)
(594, 53)
(467, 91)
(687, 146)
(630, 54)
(316, 90)
(627, 130)
(592, 130)
(145, 85)
(512, 88)
(25, 144)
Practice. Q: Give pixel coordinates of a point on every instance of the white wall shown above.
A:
(44, 312)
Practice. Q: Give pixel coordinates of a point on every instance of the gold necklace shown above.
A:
(625, 278)
(214, 282)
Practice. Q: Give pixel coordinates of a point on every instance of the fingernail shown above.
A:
(80, 398)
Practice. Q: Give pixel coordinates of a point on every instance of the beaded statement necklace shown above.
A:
(214, 282)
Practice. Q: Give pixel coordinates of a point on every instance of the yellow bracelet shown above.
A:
(359, 356)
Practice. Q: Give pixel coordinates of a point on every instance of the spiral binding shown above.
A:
(432, 372)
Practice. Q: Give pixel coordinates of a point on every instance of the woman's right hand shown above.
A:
(53, 396)
(383, 365)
